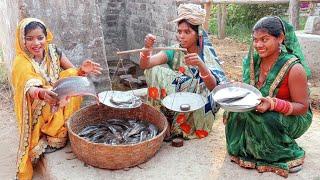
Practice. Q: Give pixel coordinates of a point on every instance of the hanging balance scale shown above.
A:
(184, 101)
(178, 102)
(120, 99)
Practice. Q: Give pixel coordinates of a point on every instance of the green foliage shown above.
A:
(249, 14)
(241, 18)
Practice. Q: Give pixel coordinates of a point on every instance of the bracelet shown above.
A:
(81, 72)
(204, 77)
(290, 110)
(144, 57)
(283, 106)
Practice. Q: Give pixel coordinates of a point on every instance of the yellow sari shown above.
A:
(38, 126)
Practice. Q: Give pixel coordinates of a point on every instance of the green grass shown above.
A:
(242, 33)
(239, 32)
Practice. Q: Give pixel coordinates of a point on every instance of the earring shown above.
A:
(280, 45)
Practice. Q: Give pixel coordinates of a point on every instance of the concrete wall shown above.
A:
(9, 17)
(310, 45)
(150, 16)
(77, 29)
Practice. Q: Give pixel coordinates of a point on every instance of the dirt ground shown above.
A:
(214, 163)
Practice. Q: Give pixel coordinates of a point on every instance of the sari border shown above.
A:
(39, 149)
(243, 163)
(264, 168)
(280, 75)
(276, 170)
(295, 162)
(26, 128)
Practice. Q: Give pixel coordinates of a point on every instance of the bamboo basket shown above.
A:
(114, 156)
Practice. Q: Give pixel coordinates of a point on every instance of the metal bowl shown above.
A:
(179, 101)
(229, 88)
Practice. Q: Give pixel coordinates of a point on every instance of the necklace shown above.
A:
(265, 69)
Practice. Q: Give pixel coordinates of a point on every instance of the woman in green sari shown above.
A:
(265, 138)
(198, 71)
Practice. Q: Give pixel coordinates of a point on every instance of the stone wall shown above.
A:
(9, 17)
(150, 16)
(126, 22)
(113, 18)
(94, 29)
(77, 29)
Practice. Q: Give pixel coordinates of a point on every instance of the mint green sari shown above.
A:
(266, 141)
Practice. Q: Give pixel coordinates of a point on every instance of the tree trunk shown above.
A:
(222, 20)
(294, 7)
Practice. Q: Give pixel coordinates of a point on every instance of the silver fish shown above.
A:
(236, 97)
(74, 86)
(116, 131)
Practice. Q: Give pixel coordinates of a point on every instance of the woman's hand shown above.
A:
(48, 96)
(149, 40)
(88, 66)
(193, 59)
(63, 102)
(264, 105)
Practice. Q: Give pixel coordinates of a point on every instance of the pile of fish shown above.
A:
(116, 131)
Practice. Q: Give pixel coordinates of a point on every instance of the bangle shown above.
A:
(290, 109)
(144, 57)
(205, 76)
(283, 106)
(81, 72)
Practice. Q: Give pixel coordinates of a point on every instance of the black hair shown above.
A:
(270, 24)
(34, 25)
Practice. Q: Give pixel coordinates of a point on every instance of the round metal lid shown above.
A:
(184, 101)
(119, 99)
(237, 97)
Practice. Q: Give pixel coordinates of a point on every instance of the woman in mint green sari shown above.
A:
(198, 71)
(265, 138)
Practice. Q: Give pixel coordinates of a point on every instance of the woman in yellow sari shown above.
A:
(37, 66)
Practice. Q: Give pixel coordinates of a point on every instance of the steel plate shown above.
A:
(248, 103)
(175, 100)
(105, 98)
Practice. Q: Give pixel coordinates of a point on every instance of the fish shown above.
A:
(88, 131)
(234, 97)
(117, 131)
(135, 130)
(153, 130)
(125, 100)
(73, 86)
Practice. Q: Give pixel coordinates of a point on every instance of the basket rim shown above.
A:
(118, 145)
